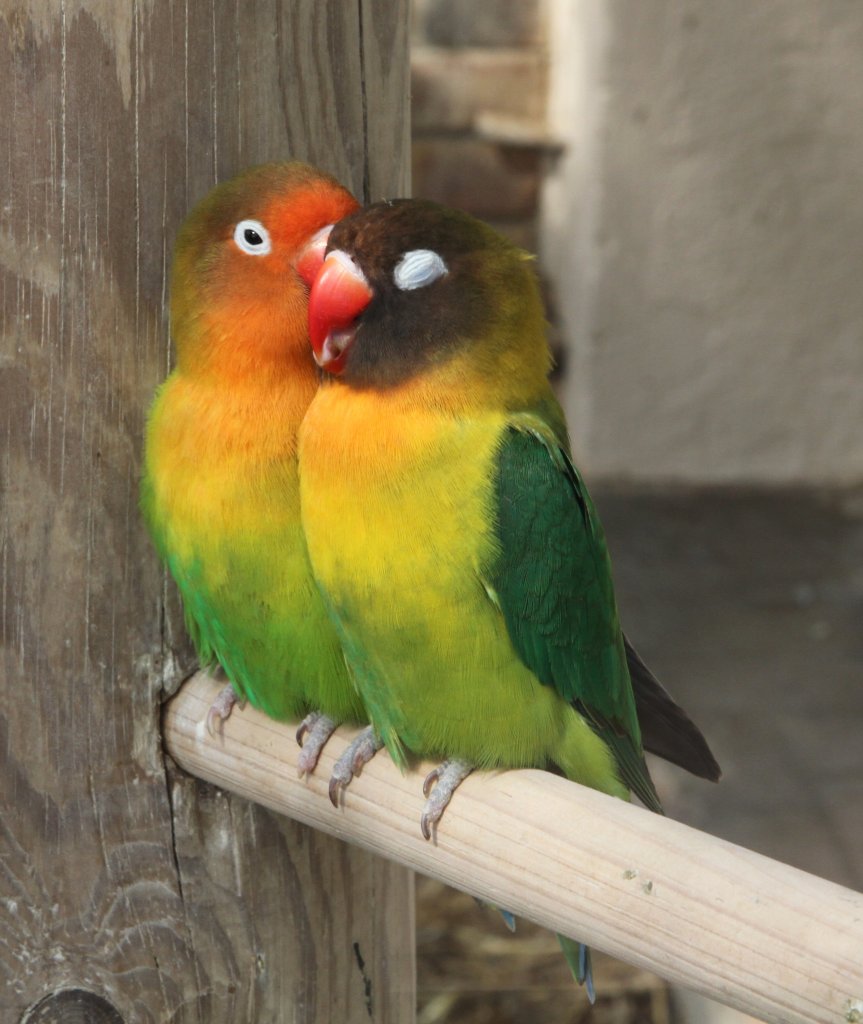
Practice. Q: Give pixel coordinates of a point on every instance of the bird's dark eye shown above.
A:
(418, 268)
(252, 237)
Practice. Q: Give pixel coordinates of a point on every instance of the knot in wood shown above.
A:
(72, 1006)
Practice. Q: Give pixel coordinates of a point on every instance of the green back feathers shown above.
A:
(553, 584)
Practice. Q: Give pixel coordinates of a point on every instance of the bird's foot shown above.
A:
(445, 779)
(220, 710)
(360, 752)
(316, 728)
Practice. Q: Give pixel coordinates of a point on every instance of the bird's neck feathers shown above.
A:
(502, 365)
(243, 382)
(511, 362)
(248, 347)
(197, 423)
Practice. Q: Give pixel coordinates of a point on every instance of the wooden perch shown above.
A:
(748, 931)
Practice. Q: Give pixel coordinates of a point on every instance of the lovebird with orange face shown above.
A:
(220, 493)
(459, 552)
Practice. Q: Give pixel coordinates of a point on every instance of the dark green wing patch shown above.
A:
(552, 580)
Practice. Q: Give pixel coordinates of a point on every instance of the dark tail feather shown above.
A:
(666, 729)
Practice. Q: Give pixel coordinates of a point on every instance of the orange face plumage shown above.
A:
(238, 302)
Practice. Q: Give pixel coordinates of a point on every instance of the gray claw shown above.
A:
(220, 710)
(445, 779)
(316, 729)
(360, 751)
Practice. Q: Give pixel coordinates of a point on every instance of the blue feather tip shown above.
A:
(578, 957)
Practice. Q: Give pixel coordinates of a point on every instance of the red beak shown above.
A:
(339, 294)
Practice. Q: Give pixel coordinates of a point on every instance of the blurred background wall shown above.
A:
(691, 173)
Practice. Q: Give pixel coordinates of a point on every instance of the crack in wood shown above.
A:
(367, 981)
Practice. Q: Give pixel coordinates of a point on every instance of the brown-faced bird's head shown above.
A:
(408, 286)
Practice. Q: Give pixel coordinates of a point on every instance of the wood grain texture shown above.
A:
(766, 938)
(387, 124)
(120, 876)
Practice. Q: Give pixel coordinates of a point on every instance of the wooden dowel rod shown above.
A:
(753, 933)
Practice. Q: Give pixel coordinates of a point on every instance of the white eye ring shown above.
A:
(252, 237)
(418, 268)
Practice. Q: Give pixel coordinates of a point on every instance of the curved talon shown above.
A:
(220, 711)
(430, 780)
(425, 826)
(307, 725)
(438, 788)
(358, 753)
(315, 729)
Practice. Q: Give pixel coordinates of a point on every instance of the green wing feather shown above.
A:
(552, 581)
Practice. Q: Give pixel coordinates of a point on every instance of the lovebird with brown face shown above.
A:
(457, 547)
(220, 493)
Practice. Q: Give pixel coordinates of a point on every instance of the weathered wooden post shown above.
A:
(128, 891)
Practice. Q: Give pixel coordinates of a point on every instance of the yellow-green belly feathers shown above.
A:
(396, 505)
(221, 498)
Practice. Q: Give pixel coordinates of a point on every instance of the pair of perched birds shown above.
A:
(402, 540)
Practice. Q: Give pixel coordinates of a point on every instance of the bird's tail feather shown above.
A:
(578, 957)
(666, 729)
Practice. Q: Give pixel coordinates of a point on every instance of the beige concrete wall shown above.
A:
(705, 233)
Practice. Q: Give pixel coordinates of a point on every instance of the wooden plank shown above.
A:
(766, 938)
(386, 94)
(121, 878)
